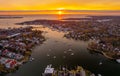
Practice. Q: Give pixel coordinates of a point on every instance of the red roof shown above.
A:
(13, 63)
(8, 61)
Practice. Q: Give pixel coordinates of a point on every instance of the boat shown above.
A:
(69, 50)
(118, 60)
(72, 54)
(100, 63)
(48, 71)
(99, 75)
(48, 55)
(31, 59)
(54, 57)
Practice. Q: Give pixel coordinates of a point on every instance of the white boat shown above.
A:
(31, 59)
(48, 70)
(100, 63)
(54, 57)
(69, 50)
(72, 54)
(118, 60)
(99, 75)
(48, 55)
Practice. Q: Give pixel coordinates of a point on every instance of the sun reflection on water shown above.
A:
(60, 14)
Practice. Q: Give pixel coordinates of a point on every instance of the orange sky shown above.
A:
(39, 6)
(58, 4)
(60, 12)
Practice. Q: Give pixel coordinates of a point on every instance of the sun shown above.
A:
(60, 12)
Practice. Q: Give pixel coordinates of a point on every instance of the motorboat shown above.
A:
(48, 71)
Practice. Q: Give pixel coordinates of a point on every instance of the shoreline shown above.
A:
(101, 52)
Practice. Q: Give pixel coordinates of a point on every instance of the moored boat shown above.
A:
(48, 71)
(118, 60)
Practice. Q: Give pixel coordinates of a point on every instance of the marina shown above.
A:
(63, 71)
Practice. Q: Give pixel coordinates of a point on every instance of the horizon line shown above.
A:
(60, 10)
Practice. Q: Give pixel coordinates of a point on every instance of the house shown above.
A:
(11, 63)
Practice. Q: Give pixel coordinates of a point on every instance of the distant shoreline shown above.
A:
(9, 17)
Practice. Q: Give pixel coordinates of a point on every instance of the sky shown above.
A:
(59, 5)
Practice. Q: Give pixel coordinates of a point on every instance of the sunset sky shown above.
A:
(42, 6)
(59, 4)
